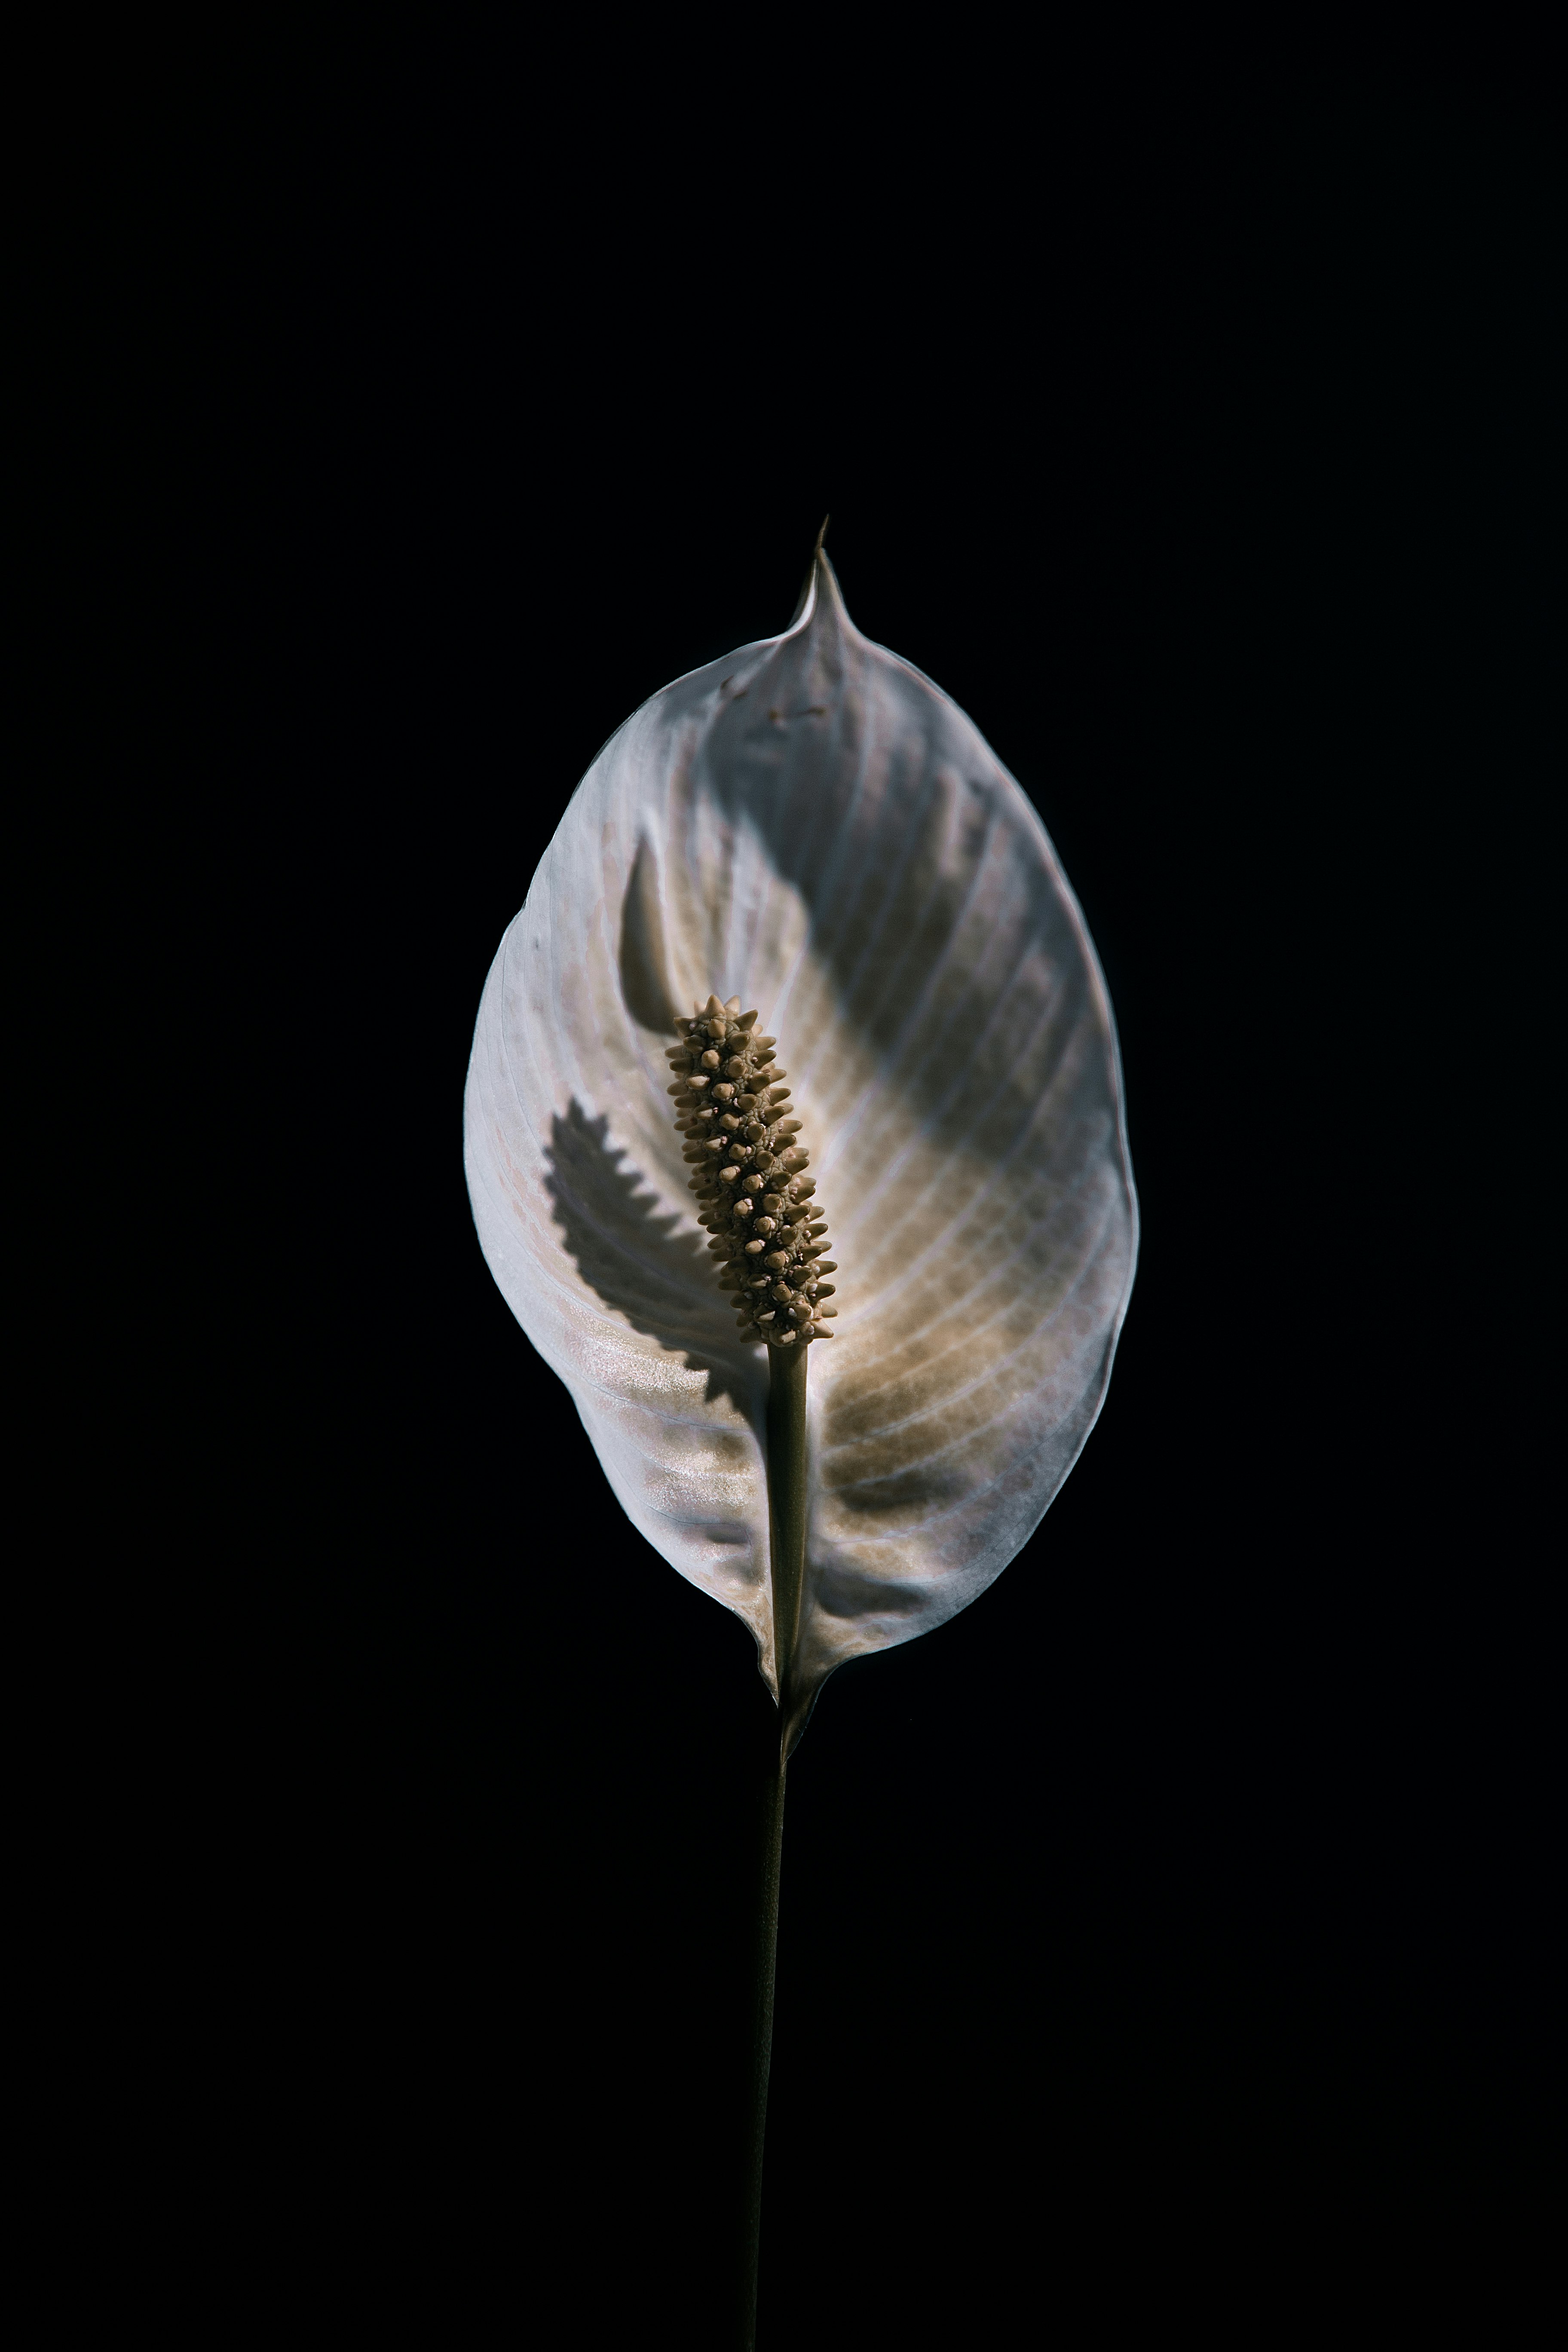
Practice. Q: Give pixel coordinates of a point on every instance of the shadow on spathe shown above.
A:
(633, 1255)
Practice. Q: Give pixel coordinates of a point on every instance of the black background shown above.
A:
(1169, 1923)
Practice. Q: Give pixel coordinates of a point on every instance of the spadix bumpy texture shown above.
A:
(754, 1195)
(812, 827)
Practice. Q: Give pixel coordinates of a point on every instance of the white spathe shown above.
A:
(813, 826)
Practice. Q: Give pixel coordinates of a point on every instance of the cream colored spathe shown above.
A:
(810, 825)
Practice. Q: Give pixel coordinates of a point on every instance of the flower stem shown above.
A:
(770, 1809)
(786, 1533)
(786, 1505)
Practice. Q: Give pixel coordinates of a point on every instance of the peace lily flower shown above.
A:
(812, 828)
(812, 848)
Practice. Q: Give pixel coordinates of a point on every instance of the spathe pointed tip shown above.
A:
(820, 585)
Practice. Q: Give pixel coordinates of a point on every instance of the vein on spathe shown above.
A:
(889, 1081)
(822, 907)
(875, 1200)
(971, 1501)
(867, 1387)
(997, 1167)
(1030, 1220)
(893, 1348)
(910, 826)
(979, 990)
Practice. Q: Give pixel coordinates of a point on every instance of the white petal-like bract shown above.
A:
(811, 827)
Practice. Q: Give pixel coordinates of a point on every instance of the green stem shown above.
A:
(771, 1812)
(787, 1504)
(786, 1534)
